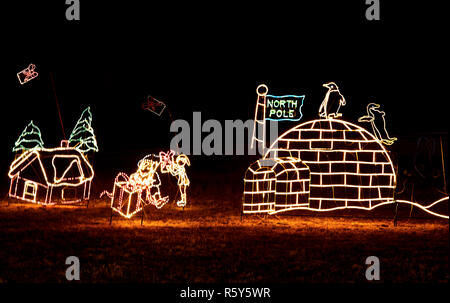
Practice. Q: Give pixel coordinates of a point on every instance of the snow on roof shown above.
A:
(62, 165)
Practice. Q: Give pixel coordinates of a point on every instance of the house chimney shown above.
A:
(64, 143)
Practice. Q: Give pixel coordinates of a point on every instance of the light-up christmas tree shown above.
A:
(30, 138)
(82, 136)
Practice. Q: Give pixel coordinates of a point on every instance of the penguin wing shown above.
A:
(334, 101)
(366, 119)
(322, 108)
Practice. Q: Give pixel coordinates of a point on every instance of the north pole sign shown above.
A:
(284, 108)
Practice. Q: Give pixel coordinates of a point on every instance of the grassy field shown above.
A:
(208, 242)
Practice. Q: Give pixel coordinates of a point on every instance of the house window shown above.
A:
(29, 191)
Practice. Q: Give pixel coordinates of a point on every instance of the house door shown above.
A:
(29, 191)
(69, 194)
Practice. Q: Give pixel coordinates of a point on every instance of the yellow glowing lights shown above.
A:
(348, 173)
(259, 127)
(276, 184)
(51, 175)
(376, 119)
(346, 166)
(427, 208)
(131, 194)
(332, 102)
(323, 165)
(47, 176)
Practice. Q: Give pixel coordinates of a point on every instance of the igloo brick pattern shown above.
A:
(272, 185)
(349, 167)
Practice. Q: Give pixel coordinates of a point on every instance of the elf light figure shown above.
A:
(146, 178)
(176, 168)
(131, 194)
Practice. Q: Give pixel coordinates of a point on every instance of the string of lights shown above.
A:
(27, 74)
(82, 136)
(30, 138)
(322, 165)
(46, 176)
(131, 193)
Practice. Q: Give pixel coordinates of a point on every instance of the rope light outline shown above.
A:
(368, 139)
(151, 104)
(18, 145)
(300, 98)
(50, 184)
(28, 74)
(425, 208)
(137, 183)
(323, 110)
(77, 130)
(371, 118)
(329, 172)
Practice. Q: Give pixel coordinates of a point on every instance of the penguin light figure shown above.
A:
(376, 118)
(332, 102)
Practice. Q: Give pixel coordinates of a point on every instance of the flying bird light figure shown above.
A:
(376, 118)
(332, 102)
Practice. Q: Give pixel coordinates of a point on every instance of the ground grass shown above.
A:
(208, 242)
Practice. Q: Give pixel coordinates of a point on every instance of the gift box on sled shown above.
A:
(125, 200)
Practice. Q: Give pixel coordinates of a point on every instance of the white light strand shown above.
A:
(376, 117)
(131, 194)
(46, 191)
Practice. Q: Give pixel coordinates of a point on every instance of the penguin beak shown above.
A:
(326, 85)
(373, 106)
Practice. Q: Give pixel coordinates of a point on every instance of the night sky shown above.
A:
(210, 58)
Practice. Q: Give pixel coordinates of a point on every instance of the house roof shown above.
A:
(60, 166)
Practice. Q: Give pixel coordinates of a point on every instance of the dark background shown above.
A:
(210, 57)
